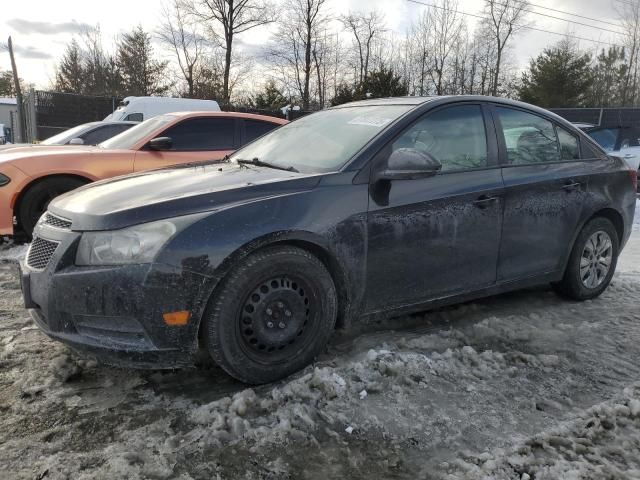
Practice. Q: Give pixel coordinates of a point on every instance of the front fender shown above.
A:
(329, 219)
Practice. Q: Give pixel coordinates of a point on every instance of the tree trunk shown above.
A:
(496, 74)
(227, 70)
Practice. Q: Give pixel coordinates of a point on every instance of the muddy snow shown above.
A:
(519, 386)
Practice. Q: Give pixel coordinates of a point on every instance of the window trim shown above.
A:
(489, 130)
(235, 135)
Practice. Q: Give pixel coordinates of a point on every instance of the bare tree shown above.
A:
(505, 17)
(364, 28)
(629, 13)
(292, 49)
(446, 25)
(180, 33)
(234, 17)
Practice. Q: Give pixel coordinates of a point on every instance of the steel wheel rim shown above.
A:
(596, 259)
(277, 318)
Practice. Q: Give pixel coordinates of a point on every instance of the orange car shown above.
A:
(31, 177)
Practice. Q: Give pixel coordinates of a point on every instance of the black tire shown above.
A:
(243, 326)
(36, 199)
(572, 285)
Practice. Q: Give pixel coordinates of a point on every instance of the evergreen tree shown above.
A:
(270, 98)
(559, 77)
(141, 73)
(344, 94)
(609, 74)
(383, 83)
(70, 74)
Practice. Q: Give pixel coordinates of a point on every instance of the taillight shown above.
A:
(633, 174)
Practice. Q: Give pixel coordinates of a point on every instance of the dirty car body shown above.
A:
(501, 213)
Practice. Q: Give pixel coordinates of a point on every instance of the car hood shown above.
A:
(19, 153)
(171, 192)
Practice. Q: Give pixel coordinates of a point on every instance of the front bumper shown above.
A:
(8, 195)
(114, 314)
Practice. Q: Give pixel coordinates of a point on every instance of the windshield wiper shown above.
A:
(259, 163)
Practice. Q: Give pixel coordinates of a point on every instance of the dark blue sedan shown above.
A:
(371, 208)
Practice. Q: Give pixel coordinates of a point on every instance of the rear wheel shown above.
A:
(37, 198)
(592, 262)
(273, 314)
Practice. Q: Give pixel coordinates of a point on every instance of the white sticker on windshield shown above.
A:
(370, 121)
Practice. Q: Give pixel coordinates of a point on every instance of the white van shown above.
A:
(138, 109)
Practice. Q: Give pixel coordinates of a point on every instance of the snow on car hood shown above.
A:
(171, 192)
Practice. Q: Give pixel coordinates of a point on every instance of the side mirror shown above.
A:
(160, 143)
(76, 141)
(409, 164)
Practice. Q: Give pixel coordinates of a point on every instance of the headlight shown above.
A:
(4, 180)
(137, 244)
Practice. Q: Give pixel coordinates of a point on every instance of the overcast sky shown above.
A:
(42, 28)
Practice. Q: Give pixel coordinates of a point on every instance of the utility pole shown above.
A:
(16, 81)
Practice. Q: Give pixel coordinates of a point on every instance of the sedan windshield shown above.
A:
(127, 139)
(64, 137)
(324, 141)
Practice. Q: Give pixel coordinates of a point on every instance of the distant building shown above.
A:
(8, 112)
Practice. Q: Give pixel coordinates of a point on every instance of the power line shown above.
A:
(482, 17)
(565, 19)
(572, 14)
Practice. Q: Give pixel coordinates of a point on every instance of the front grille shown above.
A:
(55, 221)
(40, 252)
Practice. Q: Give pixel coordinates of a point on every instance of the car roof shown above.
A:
(109, 122)
(446, 99)
(252, 116)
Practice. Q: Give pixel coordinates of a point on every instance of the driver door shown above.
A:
(193, 140)
(437, 236)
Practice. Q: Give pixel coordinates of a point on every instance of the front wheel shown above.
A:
(592, 262)
(273, 314)
(37, 199)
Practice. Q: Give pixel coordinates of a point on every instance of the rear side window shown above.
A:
(528, 137)
(569, 146)
(134, 117)
(202, 134)
(605, 137)
(454, 136)
(255, 129)
(103, 133)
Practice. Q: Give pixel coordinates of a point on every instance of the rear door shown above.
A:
(194, 139)
(440, 235)
(546, 186)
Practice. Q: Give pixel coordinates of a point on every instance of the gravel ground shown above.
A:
(519, 386)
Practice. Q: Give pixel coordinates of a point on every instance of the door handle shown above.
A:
(484, 201)
(571, 185)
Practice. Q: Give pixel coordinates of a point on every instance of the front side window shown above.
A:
(202, 134)
(569, 146)
(454, 136)
(528, 138)
(605, 137)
